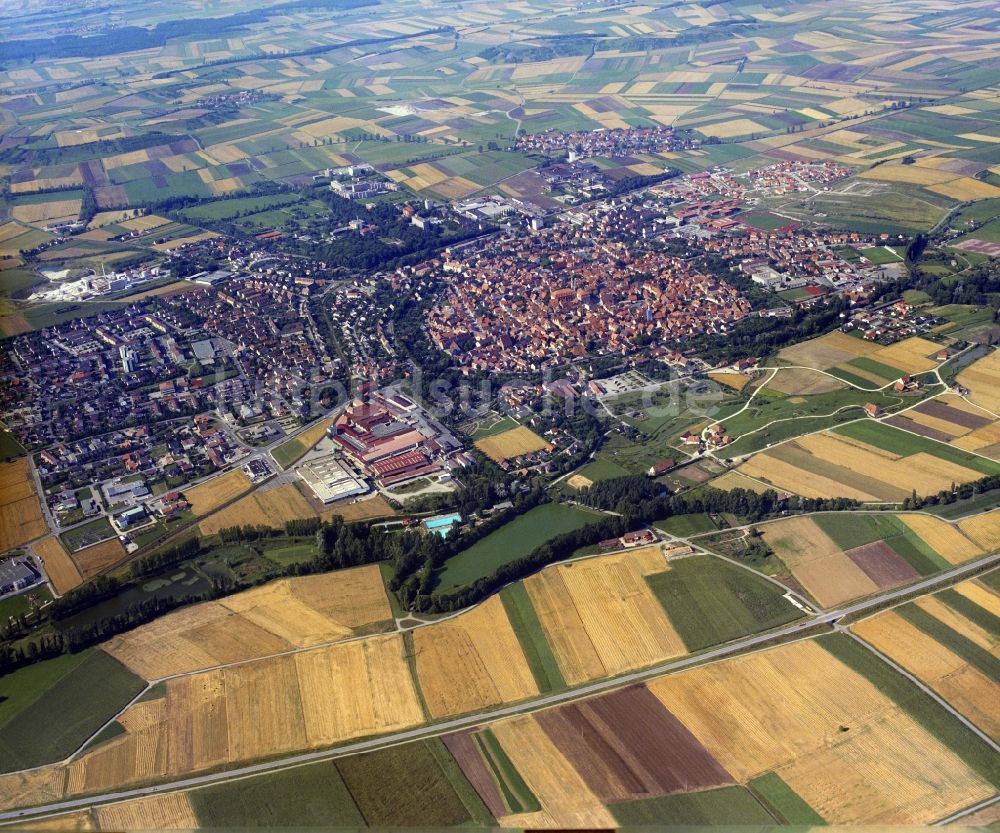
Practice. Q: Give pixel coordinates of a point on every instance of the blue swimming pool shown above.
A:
(442, 523)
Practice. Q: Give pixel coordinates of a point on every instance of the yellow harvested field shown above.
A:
(982, 378)
(510, 444)
(267, 507)
(78, 821)
(981, 595)
(286, 614)
(965, 687)
(176, 243)
(736, 381)
(885, 775)
(786, 477)
(210, 495)
(728, 129)
(601, 618)
(565, 798)
(170, 811)
(913, 174)
(92, 560)
(144, 223)
(21, 518)
(942, 537)
(41, 213)
(257, 709)
(44, 785)
(734, 480)
(363, 510)
(59, 567)
(834, 580)
(578, 481)
(912, 355)
(803, 382)
(787, 706)
(984, 529)
(471, 662)
(827, 351)
(966, 188)
(798, 540)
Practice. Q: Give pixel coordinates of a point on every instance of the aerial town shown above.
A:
(530, 416)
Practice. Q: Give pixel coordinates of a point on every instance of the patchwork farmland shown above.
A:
(838, 558)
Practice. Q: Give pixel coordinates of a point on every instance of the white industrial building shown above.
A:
(330, 479)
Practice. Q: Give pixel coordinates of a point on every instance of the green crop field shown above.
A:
(84, 690)
(602, 469)
(684, 525)
(710, 601)
(307, 796)
(783, 800)
(512, 541)
(979, 616)
(723, 806)
(414, 785)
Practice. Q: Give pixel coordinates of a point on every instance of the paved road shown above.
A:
(507, 711)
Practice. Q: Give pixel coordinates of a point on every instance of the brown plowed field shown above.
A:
(91, 560)
(465, 751)
(882, 564)
(626, 745)
(939, 410)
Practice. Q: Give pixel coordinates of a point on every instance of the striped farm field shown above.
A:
(957, 658)
(601, 617)
(867, 461)
(821, 726)
(471, 662)
(286, 614)
(912, 355)
(550, 778)
(982, 378)
(208, 496)
(511, 444)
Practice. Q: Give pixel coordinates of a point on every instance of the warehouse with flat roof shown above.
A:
(330, 479)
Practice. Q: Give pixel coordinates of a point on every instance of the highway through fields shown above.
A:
(830, 617)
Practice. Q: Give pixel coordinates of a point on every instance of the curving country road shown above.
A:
(443, 727)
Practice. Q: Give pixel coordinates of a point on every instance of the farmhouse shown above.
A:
(872, 409)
